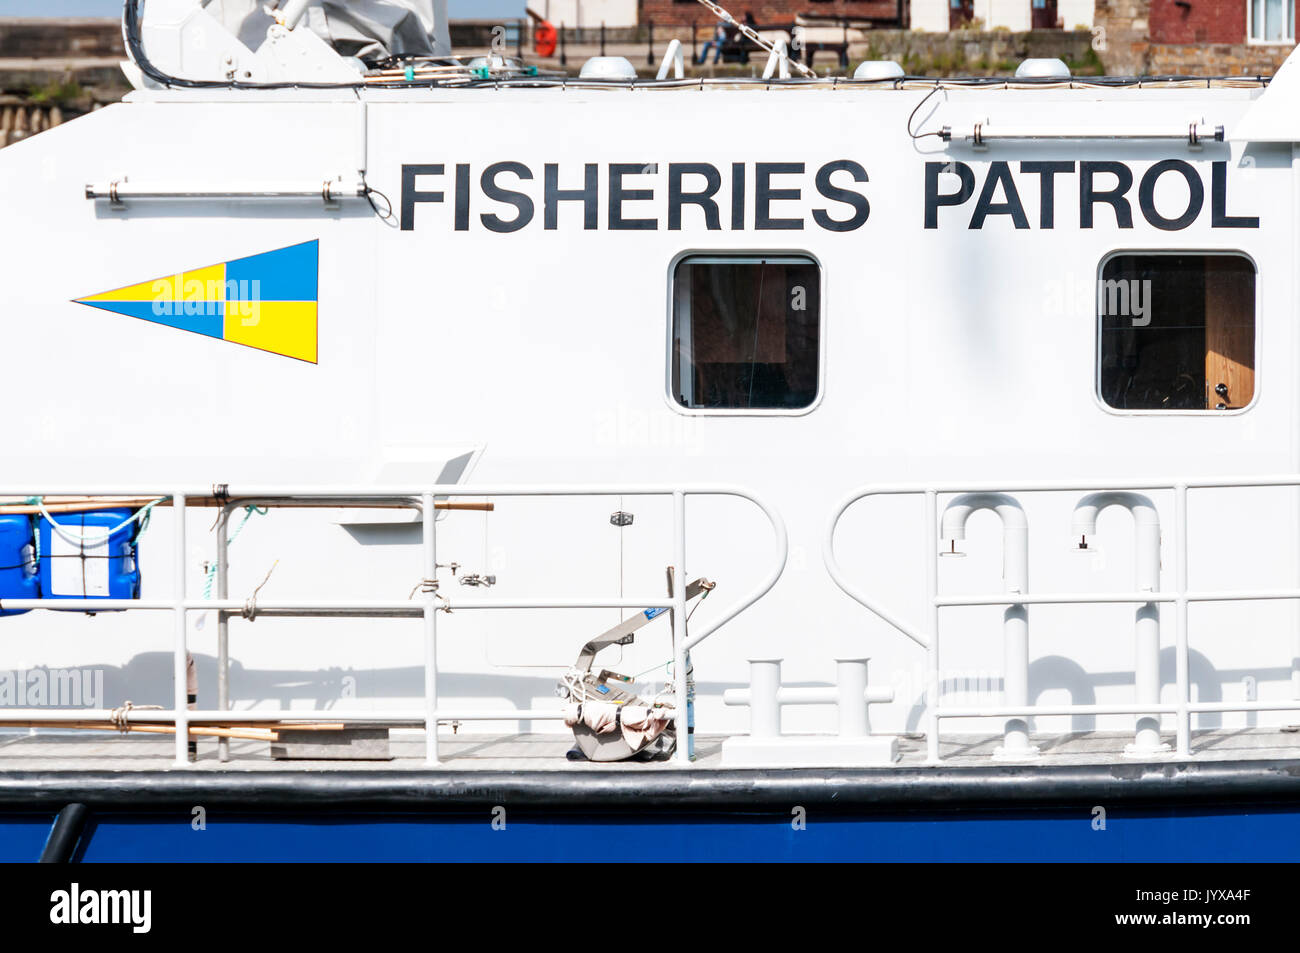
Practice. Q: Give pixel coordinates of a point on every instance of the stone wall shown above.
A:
(65, 38)
(1216, 59)
(974, 53)
(1123, 40)
(20, 120)
(51, 70)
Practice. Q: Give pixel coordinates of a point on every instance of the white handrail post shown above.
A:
(1146, 664)
(1181, 674)
(684, 742)
(223, 624)
(180, 666)
(674, 58)
(1015, 619)
(430, 550)
(932, 649)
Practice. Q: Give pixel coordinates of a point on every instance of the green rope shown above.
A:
(667, 665)
(662, 665)
(212, 569)
(143, 517)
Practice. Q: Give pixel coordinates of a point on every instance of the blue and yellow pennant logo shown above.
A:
(267, 301)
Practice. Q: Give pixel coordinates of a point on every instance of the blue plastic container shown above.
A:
(18, 577)
(79, 561)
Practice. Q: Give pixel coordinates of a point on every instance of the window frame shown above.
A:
(745, 254)
(1097, 333)
(1252, 40)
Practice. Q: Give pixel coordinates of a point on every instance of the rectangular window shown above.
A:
(1177, 332)
(746, 332)
(1271, 21)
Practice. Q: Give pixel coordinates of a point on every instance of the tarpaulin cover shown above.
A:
(370, 29)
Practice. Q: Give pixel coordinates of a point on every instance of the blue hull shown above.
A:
(1172, 834)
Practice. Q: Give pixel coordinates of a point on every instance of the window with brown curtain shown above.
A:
(1177, 331)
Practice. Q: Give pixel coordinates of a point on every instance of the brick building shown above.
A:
(1223, 21)
(1196, 37)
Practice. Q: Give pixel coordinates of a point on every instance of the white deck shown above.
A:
(107, 751)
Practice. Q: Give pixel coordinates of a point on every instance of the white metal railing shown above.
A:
(675, 60)
(425, 499)
(1181, 597)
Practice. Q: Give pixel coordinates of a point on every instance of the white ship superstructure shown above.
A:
(807, 339)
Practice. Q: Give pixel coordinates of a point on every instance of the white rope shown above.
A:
(119, 717)
(250, 607)
(81, 539)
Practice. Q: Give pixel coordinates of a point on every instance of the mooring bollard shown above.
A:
(851, 677)
(763, 698)
(852, 747)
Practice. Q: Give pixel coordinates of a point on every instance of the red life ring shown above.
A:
(544, 39)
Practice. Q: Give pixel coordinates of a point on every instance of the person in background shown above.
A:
(715, 44)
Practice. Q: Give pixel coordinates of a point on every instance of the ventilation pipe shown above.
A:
(778, 62)
(292, 12)
(1146, 668)
(1015, 621)
(675, 60)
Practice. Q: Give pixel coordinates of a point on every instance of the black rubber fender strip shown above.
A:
(65, 834)
(666, 789)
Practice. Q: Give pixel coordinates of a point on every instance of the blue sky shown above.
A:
(112, 8)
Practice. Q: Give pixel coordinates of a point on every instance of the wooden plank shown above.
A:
(244, 734)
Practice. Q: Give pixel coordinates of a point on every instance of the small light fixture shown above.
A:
(1042, 68)
(878, 69)
(608, 67)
